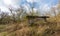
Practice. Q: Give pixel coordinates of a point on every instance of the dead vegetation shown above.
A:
(18, 25)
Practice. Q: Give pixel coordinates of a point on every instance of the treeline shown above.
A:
(19, 15)
(14, 16)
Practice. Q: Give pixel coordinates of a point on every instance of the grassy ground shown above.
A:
(24, 29)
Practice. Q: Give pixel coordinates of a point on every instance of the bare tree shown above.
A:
(3, 17)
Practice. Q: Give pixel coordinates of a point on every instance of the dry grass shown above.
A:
(23, 29)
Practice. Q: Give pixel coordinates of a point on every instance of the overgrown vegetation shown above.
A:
(16, 24)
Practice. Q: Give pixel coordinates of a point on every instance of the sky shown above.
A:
(42, 5)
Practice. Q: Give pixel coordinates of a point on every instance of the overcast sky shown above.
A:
(43, 5)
